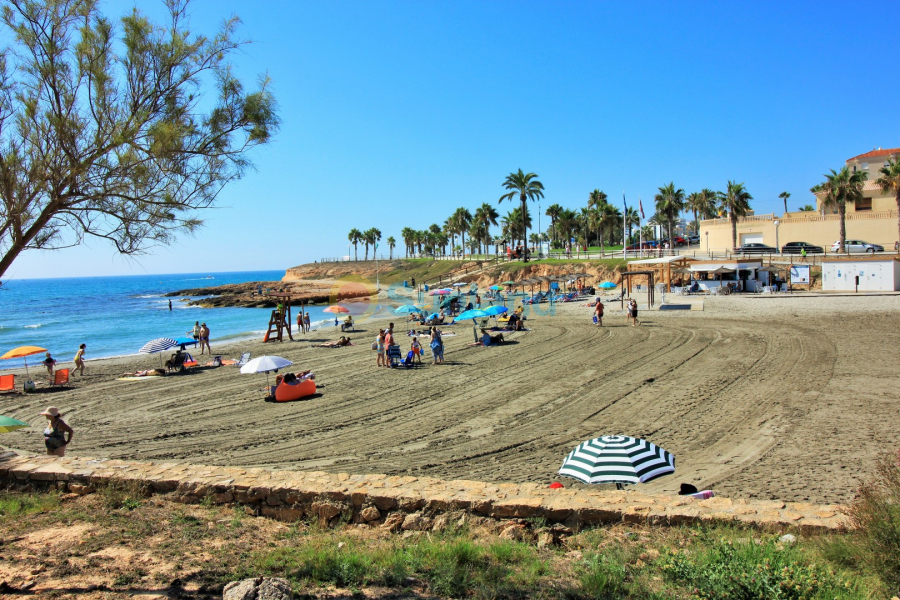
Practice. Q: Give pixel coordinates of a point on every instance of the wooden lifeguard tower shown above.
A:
(280, 319)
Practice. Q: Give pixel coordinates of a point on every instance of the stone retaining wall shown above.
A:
(401, 502)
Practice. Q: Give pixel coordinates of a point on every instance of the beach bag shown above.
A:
(29, 386)
(375, 345)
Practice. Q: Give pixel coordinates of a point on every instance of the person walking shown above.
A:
(49, 363)
(437, 347)
(598, 313)
(204, 338)
(55, 434)
(79, 360)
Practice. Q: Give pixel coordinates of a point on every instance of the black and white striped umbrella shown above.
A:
(158, 345)
(617, 459)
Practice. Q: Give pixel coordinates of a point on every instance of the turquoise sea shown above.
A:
(115, 316)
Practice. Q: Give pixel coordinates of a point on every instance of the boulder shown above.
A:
(261, 588)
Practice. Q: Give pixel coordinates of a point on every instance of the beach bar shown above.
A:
(745, 273)
(877, 274)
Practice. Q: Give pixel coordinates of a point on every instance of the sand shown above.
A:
(785, 398)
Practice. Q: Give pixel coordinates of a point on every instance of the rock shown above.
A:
(441, 522)
(393, 522)
(788, 538)
(81, 490)
(326, 510)
(261, 588)
(415, 522)
(370, 514)
(513, 532)
(545, 539)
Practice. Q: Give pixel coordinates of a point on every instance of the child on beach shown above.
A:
(416, 348)
(379, 348)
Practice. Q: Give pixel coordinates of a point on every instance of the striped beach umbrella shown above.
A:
(158, 345)
(617, 459)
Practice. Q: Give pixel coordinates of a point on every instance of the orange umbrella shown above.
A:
(337, 308)
(22, 352)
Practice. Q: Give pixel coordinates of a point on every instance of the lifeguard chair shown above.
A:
(280, 319)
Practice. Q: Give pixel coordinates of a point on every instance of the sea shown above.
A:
(116, 316)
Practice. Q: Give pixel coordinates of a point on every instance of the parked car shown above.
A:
(693, 239)
(652, 243)
(755, 249)
(798, 247)
(856, 246)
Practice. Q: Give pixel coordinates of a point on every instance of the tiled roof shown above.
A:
(876, 154)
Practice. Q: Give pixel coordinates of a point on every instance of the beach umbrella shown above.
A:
(406, 309)
(186, 341)
(509, 283)
(471, 314)
(159, 345)
(607, 285)
(496, 288)
(617, 459)
(22, 352)
(438, 292)
(459, 284)
(265, 364)
(337, 308)
(495, 310)
(8, 424)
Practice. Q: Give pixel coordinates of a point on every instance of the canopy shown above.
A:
(23, 351)
(721, 271)
(617, 459)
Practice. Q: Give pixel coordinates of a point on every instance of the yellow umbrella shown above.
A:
(22, 352)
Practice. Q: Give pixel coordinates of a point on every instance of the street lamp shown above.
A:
(777, 247)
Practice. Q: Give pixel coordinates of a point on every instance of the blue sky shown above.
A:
(396, 113)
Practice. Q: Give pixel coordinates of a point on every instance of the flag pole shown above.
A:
(624, 228)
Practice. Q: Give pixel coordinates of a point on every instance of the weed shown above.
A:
(16, 505)
(122, 494)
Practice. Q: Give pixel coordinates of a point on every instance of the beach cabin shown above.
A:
(744, 274)
(876, 274)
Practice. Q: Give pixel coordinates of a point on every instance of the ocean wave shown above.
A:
(196, 279)
(147, 296)
(33, 326)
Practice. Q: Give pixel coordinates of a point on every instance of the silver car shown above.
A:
(856, 246)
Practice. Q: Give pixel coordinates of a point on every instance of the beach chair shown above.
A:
(7, 383)
(408, 361)
(245, 358)
(393, 354)
(60, 377)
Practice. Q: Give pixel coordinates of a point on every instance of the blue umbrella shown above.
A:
(406, 309)
(471, 314)
(185, 341)
(158, 345)
(607, 285)
(433, 316)
(495, 310)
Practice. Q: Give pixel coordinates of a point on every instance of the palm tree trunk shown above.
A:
(842, 210)
(733, 220)
(524, 229)
(785, 205)
(696, 223)
(898, 214)
(355, 252)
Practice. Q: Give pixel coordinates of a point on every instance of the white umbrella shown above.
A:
(617, 459)
(264, 364)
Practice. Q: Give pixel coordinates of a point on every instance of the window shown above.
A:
(864, 204)
(865, 166)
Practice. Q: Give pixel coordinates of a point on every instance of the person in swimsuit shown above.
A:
(634, 314)
(379, 349)
(79, 360)
(147, 373)
(49, 362)
(55, 433)
(204, 338)
(598, 313)
(306, 320)
(437, 347)
(195, 332)
(335, 344)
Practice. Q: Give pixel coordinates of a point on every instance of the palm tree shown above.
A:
(784, 196)
(355, 236)
(462, 218)
(597, 198)
(807, 208)
(567, 222)
(702, 205)
(526, 187)
(842, 187)
(391, 242)
(736, 200)
(486, 215)
(553, 212)
(669, 204)
(371, 237)
(632, 219)
(890, 182)
(407, 235)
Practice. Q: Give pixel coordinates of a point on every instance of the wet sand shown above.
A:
(780, 398)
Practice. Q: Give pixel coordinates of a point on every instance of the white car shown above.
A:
(857, 246)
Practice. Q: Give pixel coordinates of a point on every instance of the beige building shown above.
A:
(873, 219)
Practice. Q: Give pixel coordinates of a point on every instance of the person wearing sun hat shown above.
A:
(55, 434)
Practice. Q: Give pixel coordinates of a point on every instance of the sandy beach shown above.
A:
(758, 397)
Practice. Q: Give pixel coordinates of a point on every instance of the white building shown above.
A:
(879, 274)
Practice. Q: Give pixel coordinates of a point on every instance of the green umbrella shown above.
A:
(509, 283)
(8, 424)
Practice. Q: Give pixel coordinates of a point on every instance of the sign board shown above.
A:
(800, 275)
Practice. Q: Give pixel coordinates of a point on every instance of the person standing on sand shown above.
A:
(306, 320)
(49, 362)
(437, 347)
(79, 360)
(55, 433)
(300, 321)
(598, 313)
(633, 312)
(195, 332)
(379, 349)
(204, 338)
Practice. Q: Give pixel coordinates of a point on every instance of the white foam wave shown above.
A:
(148, 296)
(33, 326)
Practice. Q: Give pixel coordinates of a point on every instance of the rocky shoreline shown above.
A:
(246, 295)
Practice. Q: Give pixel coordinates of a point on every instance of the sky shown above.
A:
(394, 114)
